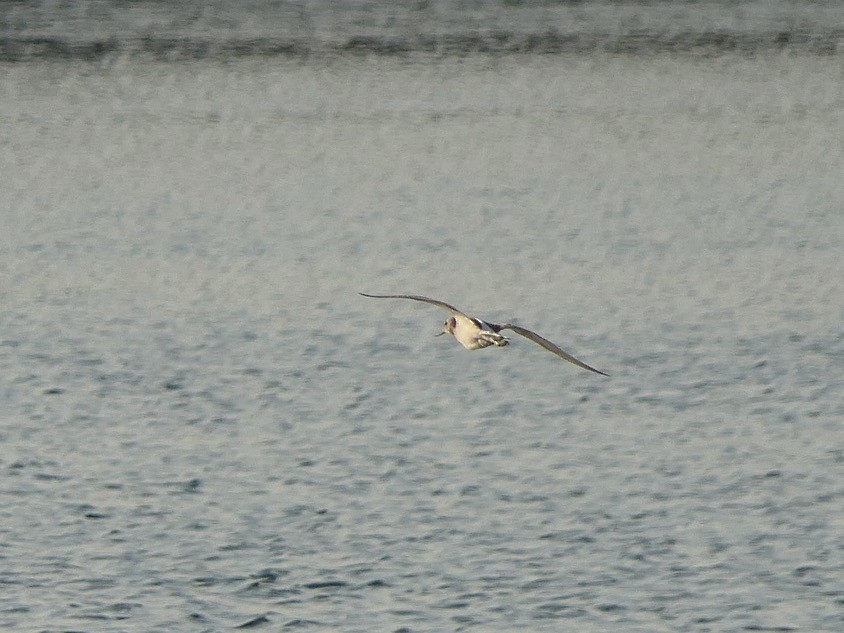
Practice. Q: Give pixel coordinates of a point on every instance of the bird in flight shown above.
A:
(474, 333)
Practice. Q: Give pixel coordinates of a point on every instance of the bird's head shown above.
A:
(448, 326)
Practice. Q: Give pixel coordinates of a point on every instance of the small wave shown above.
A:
(15, 48)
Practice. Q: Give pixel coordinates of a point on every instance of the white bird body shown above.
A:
(474, 333)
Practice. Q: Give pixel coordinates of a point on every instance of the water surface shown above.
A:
(205, 427)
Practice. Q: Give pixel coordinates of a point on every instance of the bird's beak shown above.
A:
(440, 334)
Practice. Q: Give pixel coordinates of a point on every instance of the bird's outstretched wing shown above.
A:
(441, 304)
(544, 342)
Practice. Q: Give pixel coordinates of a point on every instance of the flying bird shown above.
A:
(474, 333)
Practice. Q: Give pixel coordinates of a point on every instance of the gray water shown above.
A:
(204, 426)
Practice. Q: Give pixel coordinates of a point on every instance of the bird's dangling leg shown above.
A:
(492, 338)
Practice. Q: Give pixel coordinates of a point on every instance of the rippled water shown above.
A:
(205, 427)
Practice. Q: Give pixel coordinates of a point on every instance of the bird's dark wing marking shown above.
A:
(544, 342)
(441, 304)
